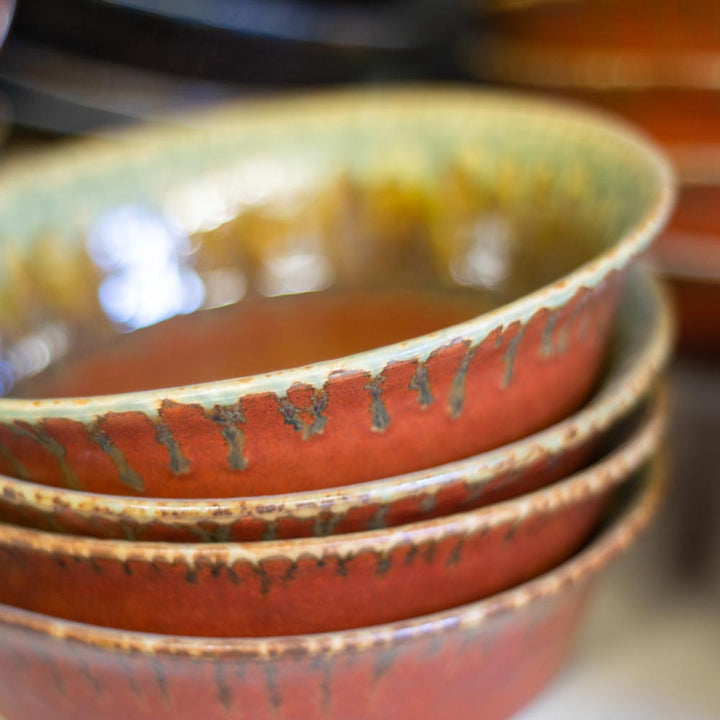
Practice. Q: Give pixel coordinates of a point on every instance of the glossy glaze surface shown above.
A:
(640, 346)
(487, 658)
(316, 584)
(368, 191)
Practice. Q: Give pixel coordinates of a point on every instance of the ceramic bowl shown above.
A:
(460, 254)
(640, 346)
(316, 584)
(488, 657)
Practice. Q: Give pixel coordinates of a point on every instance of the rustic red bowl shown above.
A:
(641, 343)
(317, 584)
(417, 208)
(486, 659)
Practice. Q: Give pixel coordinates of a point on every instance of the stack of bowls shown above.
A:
(409, 521)
(655, 64)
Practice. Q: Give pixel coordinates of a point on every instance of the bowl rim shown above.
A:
(592, 481)
(632, 372)
(558, 120)
(624, 529)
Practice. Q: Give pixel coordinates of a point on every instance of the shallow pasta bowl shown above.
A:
(440, 267)
(316, 584)
(493, 655)
(640, 346)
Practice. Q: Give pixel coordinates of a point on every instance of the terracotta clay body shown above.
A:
(484, 660)
(640, 345)
(316, 584)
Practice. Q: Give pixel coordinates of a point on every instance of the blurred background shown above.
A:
(88, 67)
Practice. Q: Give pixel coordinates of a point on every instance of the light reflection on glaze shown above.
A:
(146, 261)
(487, 262)
(32, 354)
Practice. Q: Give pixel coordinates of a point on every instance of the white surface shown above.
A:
(636, 662)
(650, 646)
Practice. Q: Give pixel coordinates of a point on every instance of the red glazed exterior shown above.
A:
(355, 428)
(415, 404)
(314, 585)
(641, 343)
(483, 660)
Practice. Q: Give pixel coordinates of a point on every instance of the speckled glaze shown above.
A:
(416, 404)
(317, 584)
(641, 344)
(483, 660)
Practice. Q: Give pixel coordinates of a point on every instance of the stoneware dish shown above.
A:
(317, 584)
(485, 659)
(640, 346)
(688, 256)
(460, 234)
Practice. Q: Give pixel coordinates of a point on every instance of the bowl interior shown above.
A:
(385, 216)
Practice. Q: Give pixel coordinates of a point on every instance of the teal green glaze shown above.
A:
(598, 168)
(59, 195)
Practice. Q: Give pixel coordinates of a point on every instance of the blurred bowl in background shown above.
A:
(602, 44)
(478, 242)
(497, 654)
(640, 347)
(306, 585)
(688, 256)
(651, 63)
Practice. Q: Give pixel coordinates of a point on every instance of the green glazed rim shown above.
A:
(61, 191)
